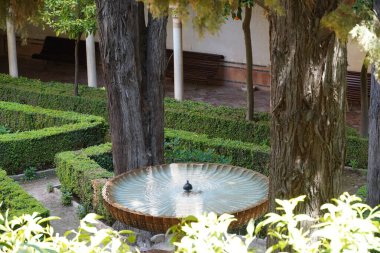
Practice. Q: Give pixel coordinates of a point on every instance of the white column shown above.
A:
(12, 51)
(178, 59)
(91, 61)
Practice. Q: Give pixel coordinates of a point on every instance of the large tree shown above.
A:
(134, 55)
(308, 89)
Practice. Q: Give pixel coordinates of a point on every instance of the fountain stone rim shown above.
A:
(112, 205)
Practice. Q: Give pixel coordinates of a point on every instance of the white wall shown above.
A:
(229, 41)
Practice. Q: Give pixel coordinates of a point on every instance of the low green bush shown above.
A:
(357, 150)
(17, 200)
(78, 173)
(362, 192)
(243, 154)
(41, 133)
(4, 130)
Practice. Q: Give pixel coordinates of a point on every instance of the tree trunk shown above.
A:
(308, 89)
(248, 56)
(364, 99)
(373, 174)
(134, 61)
(76, 86)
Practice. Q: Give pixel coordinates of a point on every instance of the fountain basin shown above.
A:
(153, 198)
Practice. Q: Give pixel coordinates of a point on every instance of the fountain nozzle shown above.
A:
(187, 187)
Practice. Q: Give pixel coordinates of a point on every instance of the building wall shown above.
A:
(229, 41)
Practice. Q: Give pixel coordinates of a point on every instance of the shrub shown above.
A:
(346, 226)
(16, 200)
(174, 154)
(242, 154)
(77, 172)
(4, 130)
(66, 197)
(362, 192)
(30, 173)
(49, 188)
(28, 233)
(45, 133)
(208, 234)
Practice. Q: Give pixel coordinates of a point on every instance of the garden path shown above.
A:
(52, 201)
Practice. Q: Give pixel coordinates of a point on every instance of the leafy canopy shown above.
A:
(208, 14)
(71, 17)
(23, 12)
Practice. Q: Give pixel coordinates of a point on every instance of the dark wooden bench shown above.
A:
(353, 86)
(62, 50)
(198, 67)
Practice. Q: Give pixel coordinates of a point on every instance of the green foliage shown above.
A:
(71, 17)
(208, 14)
(29, 233)
(174, 154)
(43, 134)
(342, 20)
(4, 130)
(16, 200)
(23, 13)
(49, 188)
(82, 211)
(30, 173)
(66, 197)
(362, 192)
(346, 226)
(77, 171)
(208, 234)
(353, 163)
(243, 154)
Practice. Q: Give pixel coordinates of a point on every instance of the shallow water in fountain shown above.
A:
(218, 188)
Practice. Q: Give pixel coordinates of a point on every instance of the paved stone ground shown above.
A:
(52, 201)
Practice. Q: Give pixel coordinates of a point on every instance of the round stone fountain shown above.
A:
(156, 197)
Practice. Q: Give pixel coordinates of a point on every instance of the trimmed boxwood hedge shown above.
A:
(77, 173)
(215, 121)
(16, 199)
(44, 133)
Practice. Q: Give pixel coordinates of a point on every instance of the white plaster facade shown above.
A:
(229, 41)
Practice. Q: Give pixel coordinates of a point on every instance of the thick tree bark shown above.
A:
(373, 174)
(76, 86)
(248, 56)
(308, 89)
(134, 62)
(364, 99)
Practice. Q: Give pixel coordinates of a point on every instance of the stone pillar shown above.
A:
(12, 51)
(178, 59)
(91, 61)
